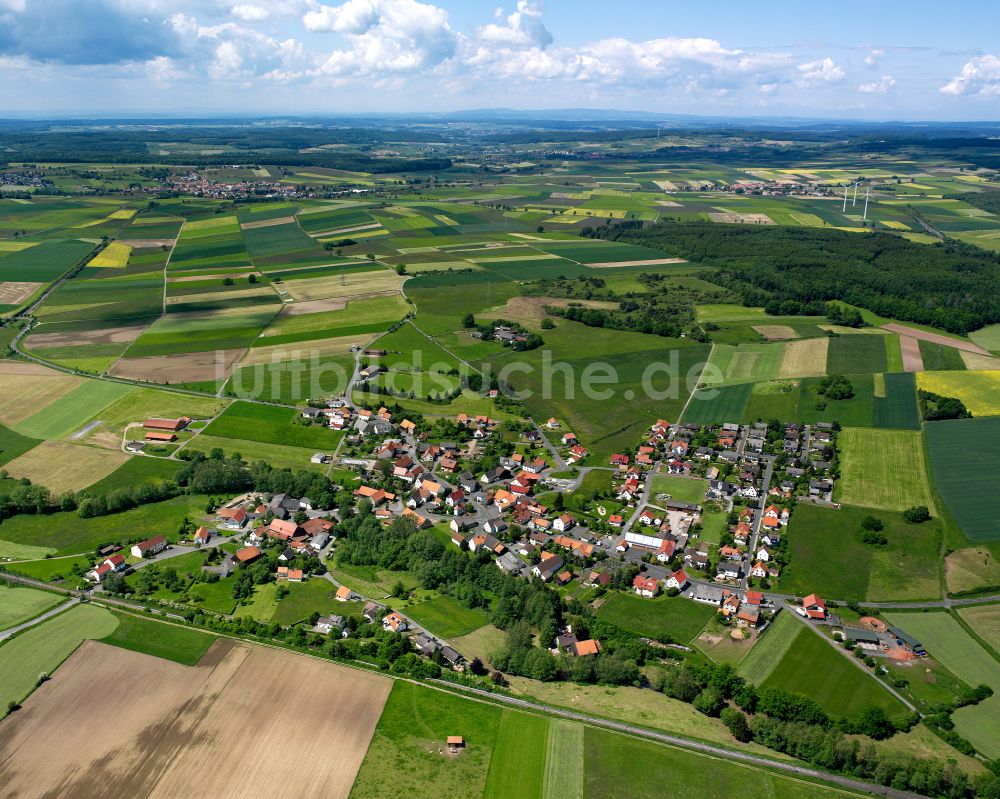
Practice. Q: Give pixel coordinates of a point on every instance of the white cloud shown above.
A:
(872, 59)
(524, 28)
(881, 86)
(817, 72)
(249, 12)
(980, 77)
(385, 36)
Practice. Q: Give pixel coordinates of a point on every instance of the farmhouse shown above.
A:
(170, 425)
(149, 547)
(232, 518)
(394, 622)
(247, 555)
(201, 536)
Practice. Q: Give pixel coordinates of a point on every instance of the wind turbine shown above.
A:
(865, 217)
(855, 202)
(844, 209)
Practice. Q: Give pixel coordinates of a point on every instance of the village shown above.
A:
(501, 491)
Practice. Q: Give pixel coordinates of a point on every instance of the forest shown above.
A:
(951, 286)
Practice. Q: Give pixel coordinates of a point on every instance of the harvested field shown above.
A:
(909, 347)
(352, 284)
(355, 229)
(14, 292)
(936, 338)
(25, 393)
(805, 358)
(304, 349)
(222, 294)
(531, 310)
(235, 275)
(972, 568)
(974, 361)
(776, 332)
(61, 466)
(649, 262)
(75, 338)
(146, 244)
(191, 367)
(207, 730)
(314, 306)
(281, 220)
(733, 218)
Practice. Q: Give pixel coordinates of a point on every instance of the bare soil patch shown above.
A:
(109, 335)
(776, 332)
(913, 361)
(14, 292)
(648, 262)
(129, 724)
(281, 220)
(936, 338)
(355, 229)
(189, 367)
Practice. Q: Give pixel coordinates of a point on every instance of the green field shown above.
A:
(268, 424)
(518, 764)
(814, 668)
(949, 643)
(41, 649)
(68, 534)
(681, 489)
(446, 617)
(71, 412)
(172, 642)
(898, 408)
(770, 649)
(13, 444)
(514, 754)
(18, 605)
(852, 354)
(965, 465)
(882, 469)
(823, 541)
(627, 768)
(718, 405)
(674, 618)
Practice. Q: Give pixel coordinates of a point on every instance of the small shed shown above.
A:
(456, 742)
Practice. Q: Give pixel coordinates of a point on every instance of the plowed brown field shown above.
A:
(246, 721)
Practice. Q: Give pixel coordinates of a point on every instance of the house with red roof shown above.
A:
(647, 587)
(814, 607)
(677, 580)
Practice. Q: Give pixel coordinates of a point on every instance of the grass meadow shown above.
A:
(883, 469)
(814, 668)
(823, 541)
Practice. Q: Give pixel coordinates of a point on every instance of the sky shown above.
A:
(872, 60)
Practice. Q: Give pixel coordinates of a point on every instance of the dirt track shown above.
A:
(246, 721)
(936, 338)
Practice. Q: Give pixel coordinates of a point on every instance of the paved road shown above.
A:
(752, 550)
(5, 634)
(692, 745)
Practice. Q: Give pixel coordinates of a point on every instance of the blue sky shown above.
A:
(871, 60)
